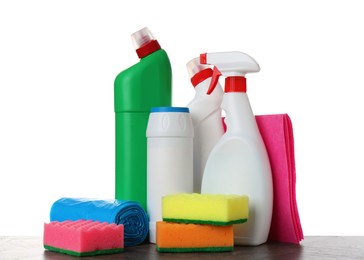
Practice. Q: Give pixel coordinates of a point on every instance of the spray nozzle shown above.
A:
(144, 42)
(141, 37)
(232, 65)
(198, 72)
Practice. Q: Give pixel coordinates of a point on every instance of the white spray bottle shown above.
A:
(205, 112)
(239, 162)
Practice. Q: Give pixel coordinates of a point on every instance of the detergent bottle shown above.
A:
(205, 112)
(239, 162)
(137, 89)
(169, 159)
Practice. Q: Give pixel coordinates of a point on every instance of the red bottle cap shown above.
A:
(148, 48)
(235, 84)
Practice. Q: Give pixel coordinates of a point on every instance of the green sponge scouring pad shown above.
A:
(212, 209)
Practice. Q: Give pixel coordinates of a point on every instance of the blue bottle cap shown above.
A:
(170, 109)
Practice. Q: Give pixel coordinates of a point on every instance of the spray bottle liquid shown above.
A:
(137, 89)
(239, 162)
(205, 112)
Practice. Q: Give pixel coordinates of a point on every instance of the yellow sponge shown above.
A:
(212, 209)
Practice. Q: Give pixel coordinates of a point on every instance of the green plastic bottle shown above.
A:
(137, 89)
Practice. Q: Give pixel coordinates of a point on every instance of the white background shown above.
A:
(58, 61)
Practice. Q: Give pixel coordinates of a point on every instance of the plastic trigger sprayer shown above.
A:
(239, 162)
(206, 117)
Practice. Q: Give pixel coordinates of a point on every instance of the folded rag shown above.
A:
(277, 134)
(129, 213)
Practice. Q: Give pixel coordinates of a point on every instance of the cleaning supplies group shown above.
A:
(232, 163)
(197, 183)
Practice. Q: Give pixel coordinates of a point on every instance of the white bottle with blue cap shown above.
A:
(169, 158)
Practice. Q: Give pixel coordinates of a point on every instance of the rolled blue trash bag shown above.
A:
(129, 213)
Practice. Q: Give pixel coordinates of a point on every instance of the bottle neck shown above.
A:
(204, 106)
(148, 48)
(202, 81)
(239, 119)
(235, 84)
(201, 76)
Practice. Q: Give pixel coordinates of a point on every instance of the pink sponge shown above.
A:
(83, 237)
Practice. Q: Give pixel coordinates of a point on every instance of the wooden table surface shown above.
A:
(310, 248)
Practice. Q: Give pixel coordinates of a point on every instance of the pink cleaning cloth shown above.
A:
(277, 133)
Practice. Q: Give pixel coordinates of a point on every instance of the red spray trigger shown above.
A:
(214, 80)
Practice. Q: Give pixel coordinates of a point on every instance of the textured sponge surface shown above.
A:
(174, 237)
(83, 237)
(215, 209)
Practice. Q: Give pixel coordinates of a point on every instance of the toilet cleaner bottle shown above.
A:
(205, 112)
(137, 89)
(239, 162)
